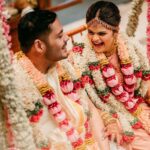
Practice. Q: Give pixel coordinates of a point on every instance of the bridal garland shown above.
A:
(87, 86)
(19, 133)
(122, 98)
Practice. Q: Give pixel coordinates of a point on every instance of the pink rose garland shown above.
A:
(148, 29)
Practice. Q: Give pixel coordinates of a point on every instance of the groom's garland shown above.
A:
(71, 87)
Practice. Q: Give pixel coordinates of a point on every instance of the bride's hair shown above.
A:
(106, 11)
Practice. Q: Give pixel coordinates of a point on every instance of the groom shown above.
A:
(61, 121)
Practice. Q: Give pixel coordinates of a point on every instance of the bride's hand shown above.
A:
(113, 131)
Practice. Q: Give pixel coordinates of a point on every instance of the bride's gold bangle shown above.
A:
(107, 118)
(138, 111)
(111, 120)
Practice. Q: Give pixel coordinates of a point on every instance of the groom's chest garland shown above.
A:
(51, 102)
(124, 96)
(70, 86)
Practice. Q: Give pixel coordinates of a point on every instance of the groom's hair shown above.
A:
(33, 26)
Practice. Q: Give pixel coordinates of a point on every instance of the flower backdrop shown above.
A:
(15, 131)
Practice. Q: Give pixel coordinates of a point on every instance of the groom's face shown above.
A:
(56, 43)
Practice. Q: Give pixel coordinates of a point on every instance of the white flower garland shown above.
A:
(82, 66)
(82, 92)
(95, 99)
(9, 95)
(69, 68)
(114, 103)
(40, 140)
(30, 95)
(3, 141)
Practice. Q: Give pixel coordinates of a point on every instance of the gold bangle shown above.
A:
(112, 120)
(107, 118)
(138, 111)
(89, 141)
(105, 115)
(81, 147)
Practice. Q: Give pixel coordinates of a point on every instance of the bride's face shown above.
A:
(101, 38)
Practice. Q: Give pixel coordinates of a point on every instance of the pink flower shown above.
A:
(77, 143)
(77, 49)
(140, 100)
(64, 122)
(130, 79)
(130, 104)
(112, 81)
(60, 116)
(108, 72)
(129, 88)
(70, 132)
(77, 85)
(117, 90)
(40, 113)
(73, 137)
(131, 94)
(138, 74)
(49, 94)
(45, 148)
(135, 100)
(73, 96)
(66, 86)
(55, 104)
(66, 126)
(86, 79)
(105, 98)
(115, 115)
(93, 67)
(88, 135)
(127, 70)
(123, 97)
(55, 109)
(34, 118)
(127, 138)
(49, 101)
(134, 108)
(137, 125)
